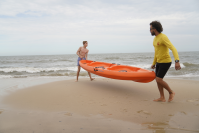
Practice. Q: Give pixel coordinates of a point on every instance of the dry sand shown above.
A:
(103, 105)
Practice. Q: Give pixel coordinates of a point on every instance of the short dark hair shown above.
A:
(84, 42)
(157, 25)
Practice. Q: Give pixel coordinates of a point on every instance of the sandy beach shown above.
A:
(103, 105)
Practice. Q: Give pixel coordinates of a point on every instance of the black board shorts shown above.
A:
(161, 69)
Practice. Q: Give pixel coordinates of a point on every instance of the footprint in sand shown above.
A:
(193, 100)
(1, 111)
(190, 101)
(145, 100)
(170, 115)
(144, 112)
(183, 112)
(68, 114)
(125, 110)
(102, 112)
(103, 105)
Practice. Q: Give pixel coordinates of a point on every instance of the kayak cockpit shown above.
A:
(123, 68)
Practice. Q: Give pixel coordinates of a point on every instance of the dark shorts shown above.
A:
(79, 60)
(161, 69)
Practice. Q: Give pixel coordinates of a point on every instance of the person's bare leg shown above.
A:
(162, 97)
(171, 96)
(166, 86)
(79, 68)
(90, 76)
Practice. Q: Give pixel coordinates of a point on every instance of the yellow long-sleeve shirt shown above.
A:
(162, 45)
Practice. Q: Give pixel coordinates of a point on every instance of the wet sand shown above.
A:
(103, 105)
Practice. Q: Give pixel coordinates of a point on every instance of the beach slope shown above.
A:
(125, 101)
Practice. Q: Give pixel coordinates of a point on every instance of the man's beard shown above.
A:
(153, 33)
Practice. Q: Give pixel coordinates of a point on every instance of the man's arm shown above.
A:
(154, 61)
(78, 52)
(174, 51)
(86, 55)
(167, 43)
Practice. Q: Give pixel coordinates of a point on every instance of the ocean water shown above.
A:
(66, 65)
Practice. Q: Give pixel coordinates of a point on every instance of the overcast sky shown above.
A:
(46, 27)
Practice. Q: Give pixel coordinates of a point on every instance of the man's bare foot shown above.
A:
(171, 96)
(92, 79)
(76, 80)
(159, 100)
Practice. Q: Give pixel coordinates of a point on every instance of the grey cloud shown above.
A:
(114, 21)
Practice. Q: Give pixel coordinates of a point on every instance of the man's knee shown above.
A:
(159, 80)
(79, 68)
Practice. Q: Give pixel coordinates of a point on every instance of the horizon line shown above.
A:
(90, 53)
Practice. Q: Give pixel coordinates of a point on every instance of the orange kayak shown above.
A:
(117, 71)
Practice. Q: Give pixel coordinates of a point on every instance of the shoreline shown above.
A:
(112, 99)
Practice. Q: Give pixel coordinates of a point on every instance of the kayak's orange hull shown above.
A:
(116, 71)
